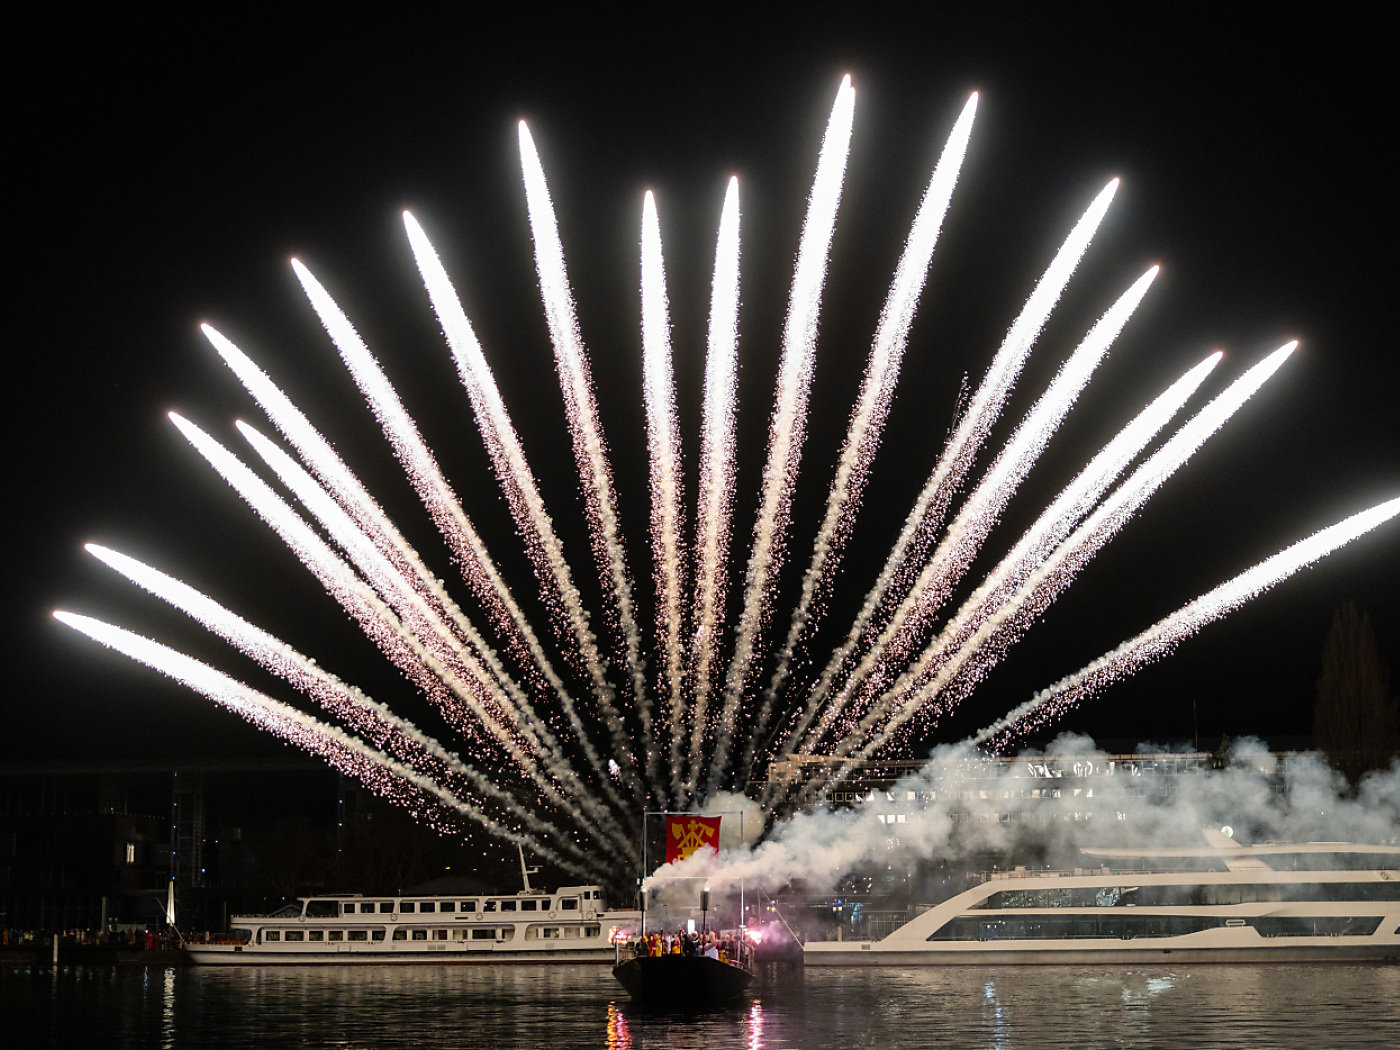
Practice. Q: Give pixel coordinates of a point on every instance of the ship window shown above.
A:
(527, 905)
(460, 933)
(489, 906)
(420, 935)
(427, 906)
(592, 931)
(569, 904)
(1318, 926)
(386, 906)
(359, 935)
(293, 935)
(323, 909)
(507, 905)
(448, 906)
(376, 935)
(469, 905)
(273, 935)
(439, 935)
(315, 935)
(487, 934)
(335, 935)
(348, 908)
(401, 934)
(406, 907)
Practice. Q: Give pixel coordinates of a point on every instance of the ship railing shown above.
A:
(1055, 873)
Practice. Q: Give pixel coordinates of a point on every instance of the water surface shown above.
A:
(556, 1007)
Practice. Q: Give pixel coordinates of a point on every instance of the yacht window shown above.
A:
(386, 906)
(400, 934)
(420, 935)
(448, 906)
(274, 935)
(406, 907)
(469, 905)
(569, 903)
(427, 906)
(527, 905)
(293, 935)
(487, 934)
(490, 906)
(348, 908)
(335, 935)
(323, 909)
(359, 935)
(507, 905)
(376, 935)
(315, 935)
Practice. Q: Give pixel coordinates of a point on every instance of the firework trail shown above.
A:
(478, 568)
(376, 770)
(589, 449)
(1160, 639)
(789, 421)
(663, 442)
(522, 494)
(956, 459)
(1058, 571)
(497, 703)
(873, 405)
(716, 500)
(1037, 543)
(372, 721)
(443, 676)
(983, 509)
(564, 775)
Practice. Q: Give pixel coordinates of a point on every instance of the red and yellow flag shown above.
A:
(685, 835)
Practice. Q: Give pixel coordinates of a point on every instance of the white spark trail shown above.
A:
(960, 450)
(590, 451)
(663, 443)
(478, 568)
(714, 515)
(376, 770)
(1058, 571)
(371, 720)
(318, 454)
(498, 705)
(527, 507)
(873, 405)
(983, 509)
(788, 425)
(410, 651)
(1160, 639)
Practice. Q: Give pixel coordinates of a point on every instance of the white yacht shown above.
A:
(535, 926)
(1225, 902)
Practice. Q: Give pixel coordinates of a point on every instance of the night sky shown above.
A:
(168, 169)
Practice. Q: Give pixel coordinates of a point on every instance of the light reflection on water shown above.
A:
(557, 1007)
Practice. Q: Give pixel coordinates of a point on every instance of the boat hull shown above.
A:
(228, 955)
(848, 955)
(682, 980)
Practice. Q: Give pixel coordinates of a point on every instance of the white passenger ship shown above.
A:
(533, 926)
(1313, 902)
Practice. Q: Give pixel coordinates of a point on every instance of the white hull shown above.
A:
(232, 955)
(532, 926)
(1248, 913)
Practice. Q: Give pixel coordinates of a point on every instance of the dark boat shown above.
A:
(680, 980)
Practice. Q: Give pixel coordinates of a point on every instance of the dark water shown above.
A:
(548, 1008)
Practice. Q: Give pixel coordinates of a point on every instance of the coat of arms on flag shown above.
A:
(685, 835)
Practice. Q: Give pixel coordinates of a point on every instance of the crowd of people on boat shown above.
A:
(723, 945)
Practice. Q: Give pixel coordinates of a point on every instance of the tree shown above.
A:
(1355, 718)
